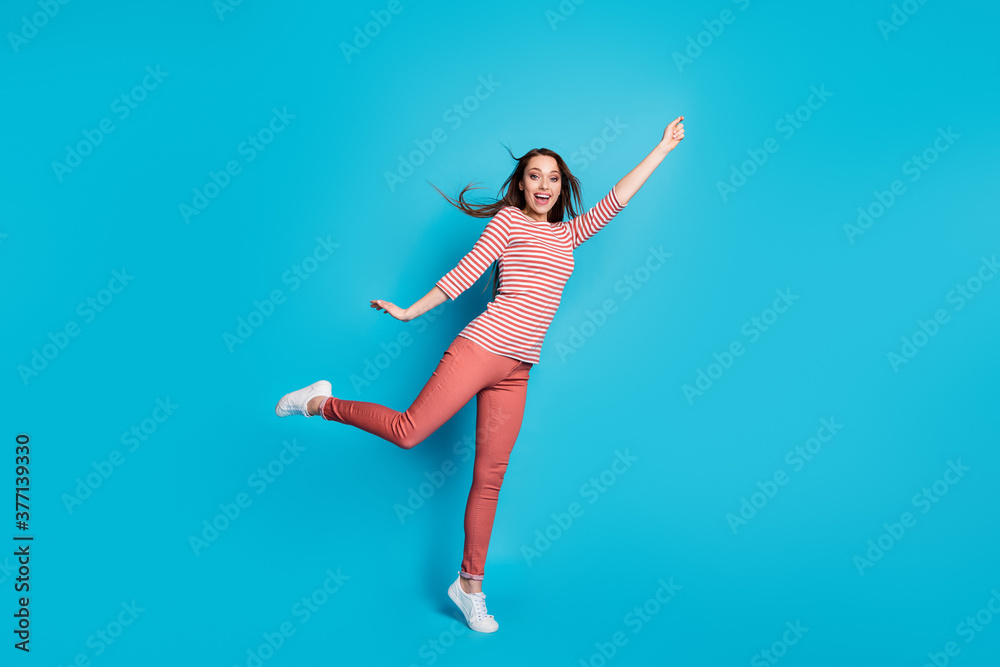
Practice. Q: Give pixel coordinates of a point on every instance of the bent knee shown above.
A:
(411, 440)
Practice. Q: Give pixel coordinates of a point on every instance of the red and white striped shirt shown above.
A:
(536, 260)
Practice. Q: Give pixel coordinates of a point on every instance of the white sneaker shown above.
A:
(295, 403)
(473, 606)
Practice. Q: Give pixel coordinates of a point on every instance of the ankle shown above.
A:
(315, 405)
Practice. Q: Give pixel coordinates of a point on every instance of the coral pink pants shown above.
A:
(467, 369)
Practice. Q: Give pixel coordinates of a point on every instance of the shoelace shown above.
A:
(479, 606)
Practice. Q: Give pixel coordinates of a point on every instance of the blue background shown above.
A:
(560, 73)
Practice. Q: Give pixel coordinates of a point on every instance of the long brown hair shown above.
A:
(567, 204)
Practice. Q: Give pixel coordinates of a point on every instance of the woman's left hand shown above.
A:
(674, 134)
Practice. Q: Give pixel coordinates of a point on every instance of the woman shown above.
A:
(532, 248)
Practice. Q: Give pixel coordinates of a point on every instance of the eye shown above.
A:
(555, 178)
(534, 176)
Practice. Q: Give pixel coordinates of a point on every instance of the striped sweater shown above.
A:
(536, 260)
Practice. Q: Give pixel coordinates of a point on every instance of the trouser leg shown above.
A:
(499, 410)
(464, 369)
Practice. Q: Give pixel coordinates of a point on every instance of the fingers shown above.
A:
(678, 132)
(383, 306)
(676, 129)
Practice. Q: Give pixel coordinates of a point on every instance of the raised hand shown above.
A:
(390, 308)
(673, 135)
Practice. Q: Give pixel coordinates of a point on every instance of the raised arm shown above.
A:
(585, 226)
(633, 180)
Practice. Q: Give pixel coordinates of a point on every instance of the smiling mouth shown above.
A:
(541, 199)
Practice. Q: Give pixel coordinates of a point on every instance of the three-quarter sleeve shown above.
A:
(486, 250)
(584, 226)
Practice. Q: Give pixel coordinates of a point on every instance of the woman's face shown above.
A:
(541, 184)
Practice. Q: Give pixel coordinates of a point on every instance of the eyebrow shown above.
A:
(554, 171)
